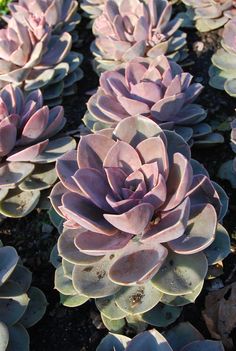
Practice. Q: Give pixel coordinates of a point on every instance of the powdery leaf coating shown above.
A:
(138, 194)
(32, 57)
(211, 14)
(154, 341)
(159, 90)
(26, 127)
(60, 15)
(129, 29)
(223, 70)
(20, 306)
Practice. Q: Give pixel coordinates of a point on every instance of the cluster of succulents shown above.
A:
(182, 337)
(223, 71)
(211, 14)
(159, 90)
(33, 56)
(27, 150)
(228, 168)
(133, 28)
(62, 16)
(21, 306)
(141, 224)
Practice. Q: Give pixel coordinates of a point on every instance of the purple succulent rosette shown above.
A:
(182, 337)
(32, 57)
(140, 223)
(211, 14)
(134, 28)
(61, 16)
(27, 150)
(228, 169)
(223, 70)
(21, 305)
(159, 90)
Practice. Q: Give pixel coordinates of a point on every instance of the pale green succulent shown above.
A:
(21, 306)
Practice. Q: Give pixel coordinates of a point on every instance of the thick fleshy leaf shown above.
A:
(18, 338)
(113, 325)
(181, 274)
(13, 303)
(138, 299)
(74, 300)
(66, 166)
(8, 262)
(12, 173)
(151, 339)
(43, 177)
(200, 231)
(93, 280)
(109, 308)
(19, 203)
(220, 248)
(35, 309)
(113, 341)
(162, 315)
(4, 339)
(62, 283)
(70, 252)
(182, 334)
(137, 263)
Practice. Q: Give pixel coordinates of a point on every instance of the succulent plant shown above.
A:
(21, 306)
(27, 156)
(223, 71)
(159, 90)
(140, 224)
(93, 8)
(183, 337)
(228, 169)
(31, 57)
(135, 28)
(211, 14)
(61, 16)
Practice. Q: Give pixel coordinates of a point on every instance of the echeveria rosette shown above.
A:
(183, 337)
(159, 90)
(139, 219)
(31, 57)
(211, 14)
(62, 16)
(28, 150)
(135, 28)
(21, 306)
(228, 169)
(223, 71)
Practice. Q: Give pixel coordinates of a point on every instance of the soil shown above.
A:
(75, 329)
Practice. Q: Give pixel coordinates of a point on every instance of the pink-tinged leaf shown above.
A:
(157, 196)
(147, 92)
(121, 206)
(137, 263)
(111, 10)
(203, 191)
(133, 130)
(56, 197)
(179, 181)
(154, 150)
(12, 173)
(8, 134)
(116, 178)
(92, 150)
(94, 185)
(66, 167)
(29, 153)
(133, 107)
(134, 221)
(58, 48)
(110, 107)
(150, 172)
(104, 81)
(136, 50)
(200, 231)
(174, 87)
(56, 121)
(84, 212)
(170, 226)
(166, 108)
(124, 156)
(99, 244)
(141, 29)
(35, 126)
(134, 72)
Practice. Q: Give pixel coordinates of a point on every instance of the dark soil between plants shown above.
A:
(65, 329)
